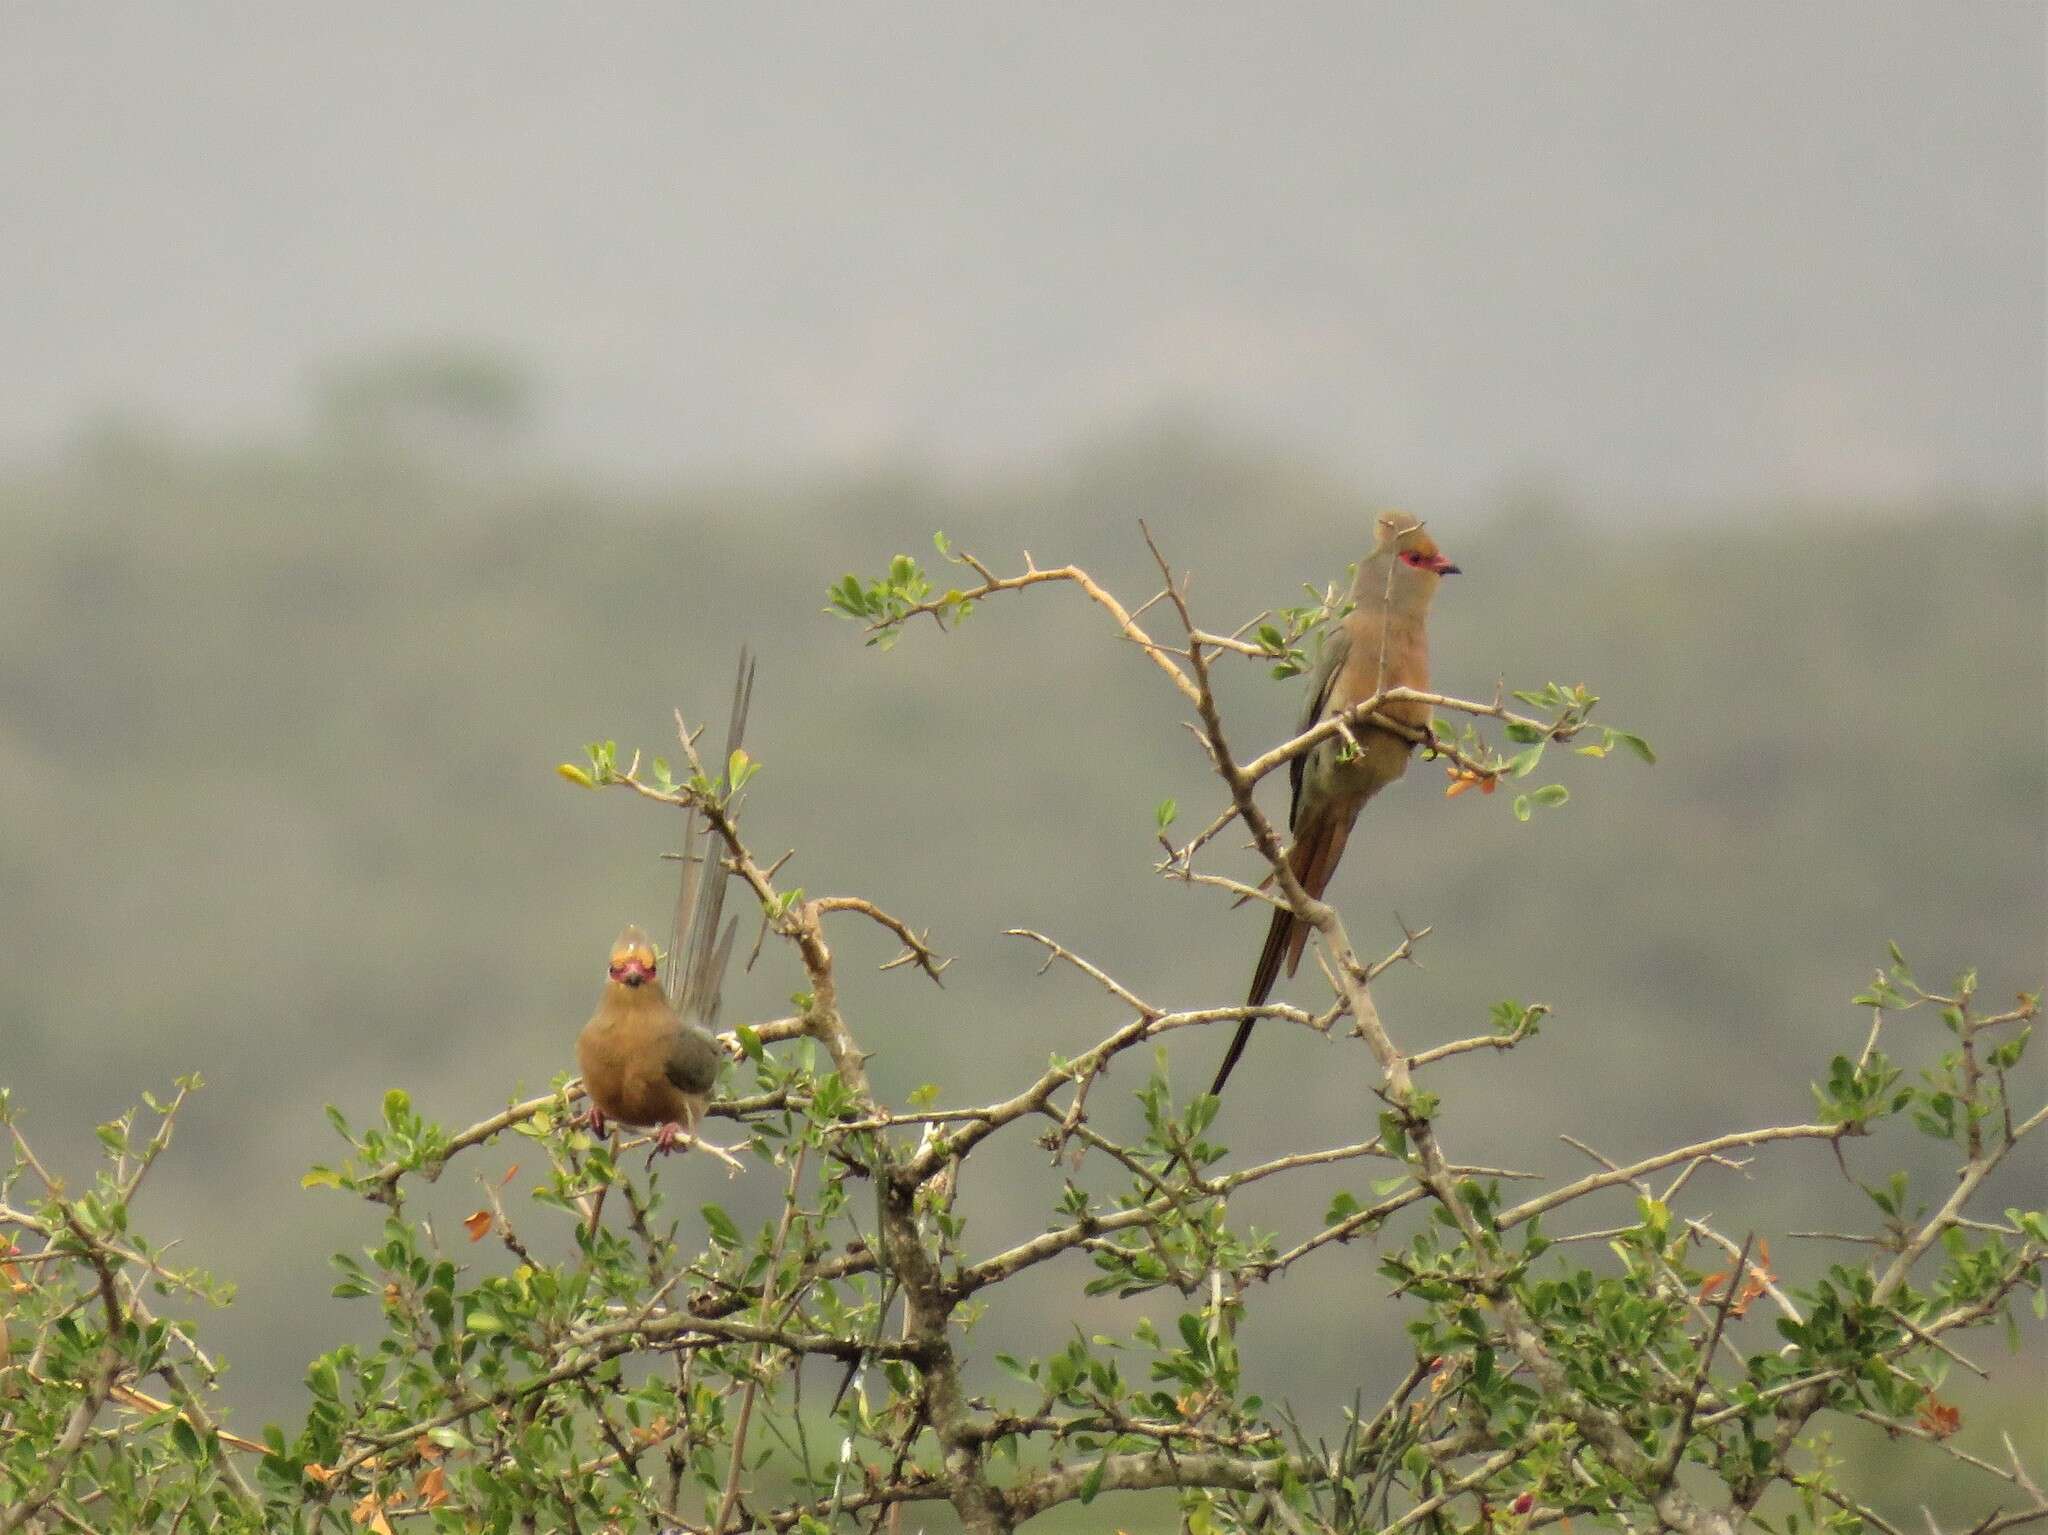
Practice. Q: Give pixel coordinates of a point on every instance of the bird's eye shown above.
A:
(1410, 557)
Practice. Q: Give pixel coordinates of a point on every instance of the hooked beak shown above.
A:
(1444, 567)
(630, 972)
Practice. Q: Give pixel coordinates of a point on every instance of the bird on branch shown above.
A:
(1381, 643)
(649, 1057)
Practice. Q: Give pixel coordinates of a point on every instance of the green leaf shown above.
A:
(720, 1226)
(1393, 1135)
(323, 1381)
(1656, 1216)
(1550, 794)
(2006, 1056)
(1092, 1483)
(1521, 807)
(1166, 813)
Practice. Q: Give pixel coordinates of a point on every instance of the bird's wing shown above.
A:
(694, 1061)
(1336, 647)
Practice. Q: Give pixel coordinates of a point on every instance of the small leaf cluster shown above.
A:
(885, 603)
(1476, 764)
(1293, 631)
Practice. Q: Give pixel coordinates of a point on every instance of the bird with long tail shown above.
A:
(649, 1057)
(1382, 643)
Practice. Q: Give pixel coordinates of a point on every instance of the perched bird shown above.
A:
(649, 1058)
(1382, 643)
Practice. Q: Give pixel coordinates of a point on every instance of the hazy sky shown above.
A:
(1652, 253)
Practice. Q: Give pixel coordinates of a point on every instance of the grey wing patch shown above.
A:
(1321, 681)
(694, 1061)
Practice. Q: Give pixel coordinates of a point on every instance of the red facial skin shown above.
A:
(1436, 562)
(631, 971)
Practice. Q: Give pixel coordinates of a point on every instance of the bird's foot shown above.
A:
(667, 1137)
(593, 1119)
(673, 1137)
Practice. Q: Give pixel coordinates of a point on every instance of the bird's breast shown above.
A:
(625, 1069)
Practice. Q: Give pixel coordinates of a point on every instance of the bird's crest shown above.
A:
(1404, 537)
(632, 961)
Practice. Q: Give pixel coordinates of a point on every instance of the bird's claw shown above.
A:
(669, 1137)
(675, 1137)
(593, 1119)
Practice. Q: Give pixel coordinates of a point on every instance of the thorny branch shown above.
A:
(1527, 1407)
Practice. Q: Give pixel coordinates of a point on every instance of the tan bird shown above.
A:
(1382, 643)
(647, 1058)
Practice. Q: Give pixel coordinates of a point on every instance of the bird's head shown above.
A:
(632, 961)
(1406, 563)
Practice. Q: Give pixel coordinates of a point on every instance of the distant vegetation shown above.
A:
(278, 725)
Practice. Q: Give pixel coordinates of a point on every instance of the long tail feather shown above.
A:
(1329, 851)
(1263, 977)
(698, 974)
(1276, 942)
(686, 907)
(1313, 858)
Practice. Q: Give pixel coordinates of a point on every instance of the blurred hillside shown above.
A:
(278, 724)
